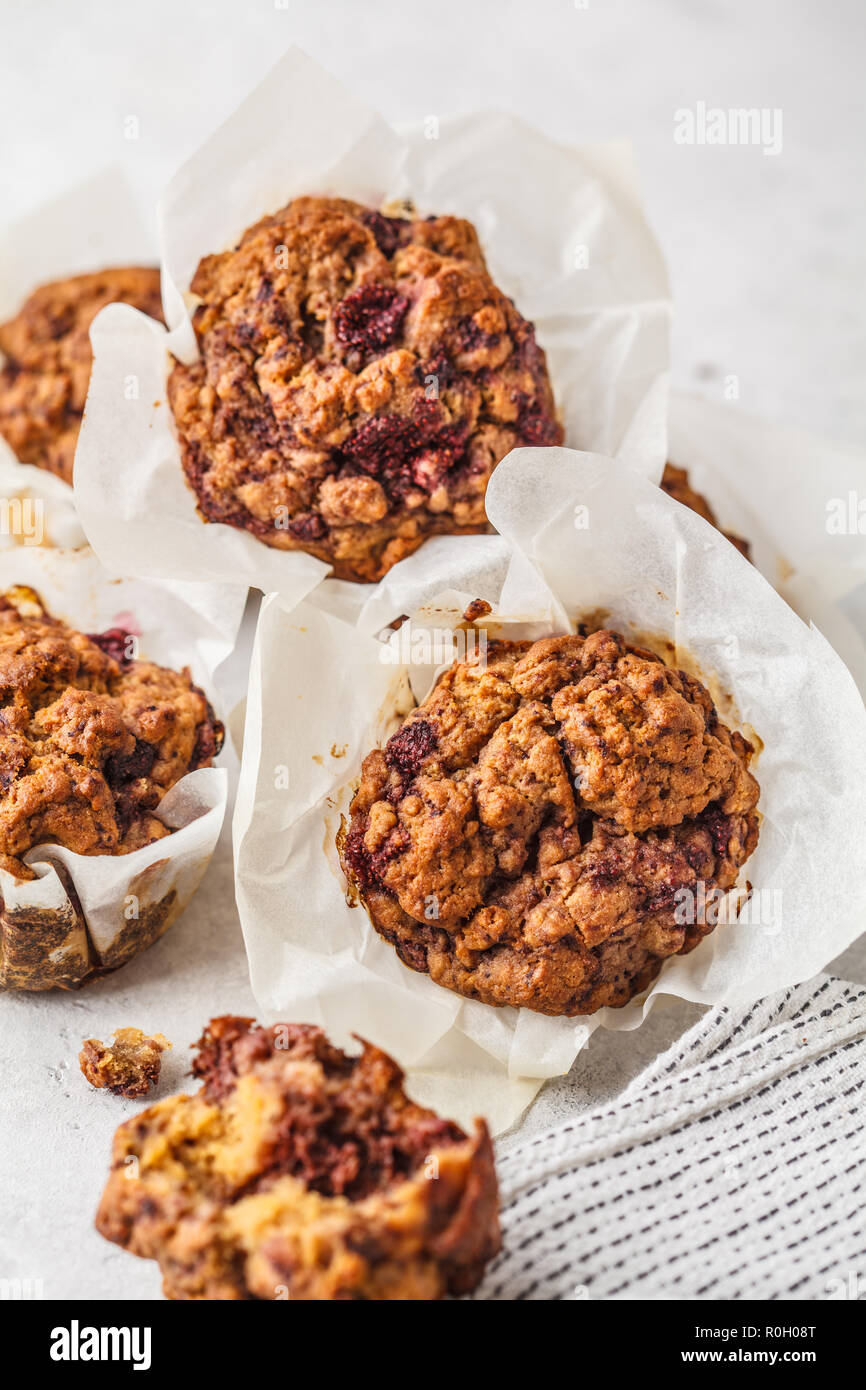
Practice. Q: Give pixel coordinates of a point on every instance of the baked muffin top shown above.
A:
(300, 1172)
(90, 740)
(526, 835)
(360, 377)
(44, 379)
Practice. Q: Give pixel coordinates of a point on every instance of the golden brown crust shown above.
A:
(531, 834)
(128, 1066)
(675, 482)
(43, 382)
(90, 739)
(297, 1172)
(360, 377)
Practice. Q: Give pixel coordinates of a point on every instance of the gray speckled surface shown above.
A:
(765, 254)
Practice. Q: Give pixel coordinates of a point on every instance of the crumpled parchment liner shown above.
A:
(86, 914)
(321, 697)
(780, 488)
(541, 209)
(49, 519)
(95, 224)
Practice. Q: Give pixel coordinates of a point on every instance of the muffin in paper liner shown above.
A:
(585, 541)
(562, 232)
(82, 915)
(102, 227)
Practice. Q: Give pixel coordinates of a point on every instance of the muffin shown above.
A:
(44, 378)
(360, 376)
(298, 1172)
(675, 482)
(543, 829)
(90, 740)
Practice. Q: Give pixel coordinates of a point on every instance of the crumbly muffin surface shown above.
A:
(524, 836)
(44, 379)
(298, 1172)
(360, 377)
(127, 1066)
(90, 741)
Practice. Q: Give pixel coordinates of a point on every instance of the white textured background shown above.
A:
(767, 265)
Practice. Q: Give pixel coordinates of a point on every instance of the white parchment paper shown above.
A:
(176, 625)
(321, 696)
(800, 501)
(565, 236)
(36, 507)
(95, 224)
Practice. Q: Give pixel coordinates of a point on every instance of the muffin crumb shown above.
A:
(128, 1066)
(478, 608)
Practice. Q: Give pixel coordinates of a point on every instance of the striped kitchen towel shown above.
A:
(733, 1167)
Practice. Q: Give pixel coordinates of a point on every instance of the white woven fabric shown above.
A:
(733, 1167)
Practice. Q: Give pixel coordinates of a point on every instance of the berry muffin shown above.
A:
(298, 1172)
(675, 482)
(90, 739)
(543, 830)
(45, 375)
(360, 376)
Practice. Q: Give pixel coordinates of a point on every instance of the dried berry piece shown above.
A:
(125, 767)
(370, 318)
(389, 232)
(309, 527)
(410, 746)
(384, 447)
(535, 425)
(116, 642)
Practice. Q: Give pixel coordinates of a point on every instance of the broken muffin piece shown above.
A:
(46, 372)
(91, 738)
(128, 1066)
(536, 830)
(360, 376)
(675, 482)
(299, 1172)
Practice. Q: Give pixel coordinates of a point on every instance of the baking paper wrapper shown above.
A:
(799, 500)
(564, 235)
(83, 915)
(95, 224)
(580, 537)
